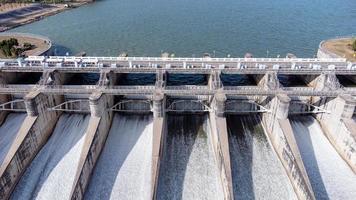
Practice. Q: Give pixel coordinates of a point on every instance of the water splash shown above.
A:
(188, 168)
(124, 167)
(257, 172)
(8, 131)
(51, 173)
(329, 175)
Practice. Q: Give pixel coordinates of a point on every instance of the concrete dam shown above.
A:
(177, 128)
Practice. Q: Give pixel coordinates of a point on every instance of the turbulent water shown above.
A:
(8, 131)
(256, 170)
(329, 174)
(51, 173)
(188, 168)
(123, 170)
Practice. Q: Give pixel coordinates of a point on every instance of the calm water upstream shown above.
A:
(190, 28)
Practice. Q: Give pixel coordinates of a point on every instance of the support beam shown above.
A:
(95, 137)
(159, 134)
(220, 142)
(33, 134)
(280, 133)
(340, 128)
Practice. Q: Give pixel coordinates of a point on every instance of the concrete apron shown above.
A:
(33, 134)
(220, 143)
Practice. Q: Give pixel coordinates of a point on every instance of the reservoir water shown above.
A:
(51, 173)
(191, 28)
(123, 170)
(330, 176)
(8, 131)
(256, 170)
(188, 167)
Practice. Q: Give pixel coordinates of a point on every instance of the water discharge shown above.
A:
(257, 172)
(329, 174)
(188, 168)
(51, 173)
(123, 170)
(8, 131)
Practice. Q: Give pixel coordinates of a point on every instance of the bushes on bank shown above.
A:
(354, 45)
(11, 48)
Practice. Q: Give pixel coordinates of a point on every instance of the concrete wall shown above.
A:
(280, 133)
(339, 127)
(33, 134)
(95, 137)
(219, 140)
(158, 139)
(159, 135)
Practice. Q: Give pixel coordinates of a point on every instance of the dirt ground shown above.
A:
(17, 14)
(341, 47)
(40, 45)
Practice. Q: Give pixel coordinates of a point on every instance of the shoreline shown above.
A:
(42, 44)
(338, 48)
(58, 8)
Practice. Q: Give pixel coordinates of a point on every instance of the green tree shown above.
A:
(354, 45)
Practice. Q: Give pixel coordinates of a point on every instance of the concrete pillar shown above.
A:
(161, 78)
(339, 127)
(220, 100)
(282, 108)
(280, 133)
(349, 107)
(32, 135)
(158, 108)
(267, 81)
(95, 137)
(159, 135)
(220, 143)
(214, 80)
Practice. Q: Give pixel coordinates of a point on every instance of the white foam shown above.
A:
(8, 131)
(123, 170)
(257, 172)
(51, 174)
(189, 169)
(330, 176)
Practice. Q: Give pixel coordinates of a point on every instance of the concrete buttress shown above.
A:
(32, 135)
(220, 143)
(95, 137)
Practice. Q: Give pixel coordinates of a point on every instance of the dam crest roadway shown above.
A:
(274, 89)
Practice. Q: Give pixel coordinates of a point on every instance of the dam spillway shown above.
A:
(256, 171)
(188, 167)
(172, 128)
(124, 168)
(8, 132)
(330, 176)
(51, 173)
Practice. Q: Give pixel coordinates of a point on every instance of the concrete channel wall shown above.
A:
(339, 127)
(280, 133)
(95, 137)
(158, 138)
(33, 134)
(220, 143)
(219, 139)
